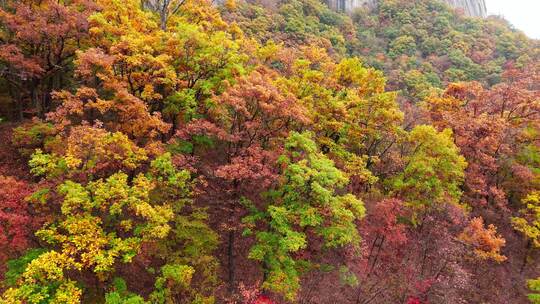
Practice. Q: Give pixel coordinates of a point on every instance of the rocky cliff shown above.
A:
(475, 8)
(349, 5)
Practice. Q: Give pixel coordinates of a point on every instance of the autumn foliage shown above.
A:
(17, 221)
(164, 151)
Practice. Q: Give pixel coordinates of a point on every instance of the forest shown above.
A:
(266, 152)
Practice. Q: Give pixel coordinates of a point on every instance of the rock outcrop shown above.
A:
(475, 8)
(349, 5)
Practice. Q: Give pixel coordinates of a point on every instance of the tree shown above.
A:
(33, 135)
(17, 223)
(495, 130)
(246, 129)
(529, 224)
(119, 294)
(403, 45)
(355, 120)
(106, 221)
(190, 270)
(384, 230)
(303, 207)
(434, 170)
(485, 241)
(39, 42)
(44, 280)
(534, 286)
(84, 238)
(174, 70)
(16, 267)
(164, 8)
(491, 127)
(89, 153)
(529, 221)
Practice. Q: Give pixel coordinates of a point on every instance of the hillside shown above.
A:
(419, 45)
(166, 151)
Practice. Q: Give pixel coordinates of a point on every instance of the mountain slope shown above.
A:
(418, 44)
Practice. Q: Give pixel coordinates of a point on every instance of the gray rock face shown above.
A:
(349, 5)
(475, 8)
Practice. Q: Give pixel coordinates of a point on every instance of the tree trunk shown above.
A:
(525, 257)
(163, 21)
(230, 252)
